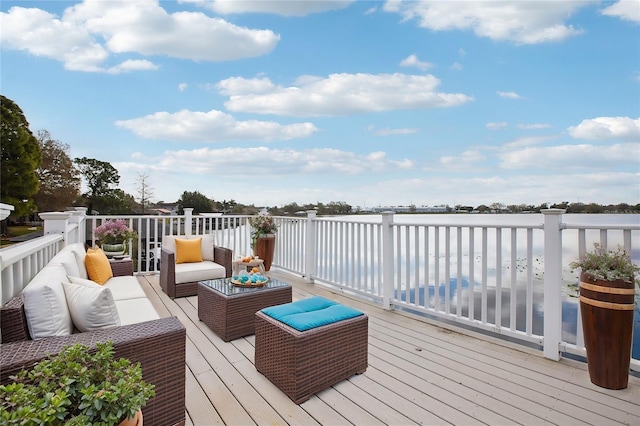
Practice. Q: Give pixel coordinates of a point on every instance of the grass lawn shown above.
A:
(15, 231)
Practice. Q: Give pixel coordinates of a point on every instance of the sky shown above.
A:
(371, 103)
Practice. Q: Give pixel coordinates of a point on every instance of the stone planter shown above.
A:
(113, 249)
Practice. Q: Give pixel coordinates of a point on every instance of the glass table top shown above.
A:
(225, 286)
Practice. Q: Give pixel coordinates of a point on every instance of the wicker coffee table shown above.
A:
(229, 311)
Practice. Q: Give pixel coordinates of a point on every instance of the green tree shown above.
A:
(196, 200)
(21, 157)
(59, 178)
(99, 176)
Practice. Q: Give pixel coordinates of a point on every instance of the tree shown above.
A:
(20, 157)
(99, 176)
(145, 191)
(198, 201)
(59, 178)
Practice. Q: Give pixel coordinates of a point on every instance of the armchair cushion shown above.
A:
(194, 272)
(98, 267)
(188, 251)
(91, 306)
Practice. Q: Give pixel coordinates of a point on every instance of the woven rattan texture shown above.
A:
(14, 321)
(121, 267)
(231, 317)
(221, 255)
(304, 363)
(158, 345)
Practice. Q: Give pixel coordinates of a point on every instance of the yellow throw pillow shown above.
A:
(188, 251)
(98, 266)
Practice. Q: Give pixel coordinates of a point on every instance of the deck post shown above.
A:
(310, 248)
(552, 283)
(56, 223)
(188, 221)
(387, 259)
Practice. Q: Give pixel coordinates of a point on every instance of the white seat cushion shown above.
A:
(133, 311)
(91, 306)
(122, 288)
(45, 304)
(199, 271)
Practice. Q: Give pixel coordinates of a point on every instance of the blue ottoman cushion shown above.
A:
(310, 313)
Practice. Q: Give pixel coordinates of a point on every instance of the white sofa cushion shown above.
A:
(124, 287)
(68, 260)
(91, 306)
(45, 304)
(133, 311)
(198, 271)
(80, 253)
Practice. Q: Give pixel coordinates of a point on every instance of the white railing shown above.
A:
(489, 274)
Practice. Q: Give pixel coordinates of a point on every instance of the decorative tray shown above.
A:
(248, 285)
(260, 282)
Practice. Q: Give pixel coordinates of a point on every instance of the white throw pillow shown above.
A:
(207, 246)
(91, 306)
(45, 304)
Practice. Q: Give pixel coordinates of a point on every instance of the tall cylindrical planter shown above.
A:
(264, 248)
(607, 323)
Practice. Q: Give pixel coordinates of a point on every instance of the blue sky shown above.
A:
(367, 102)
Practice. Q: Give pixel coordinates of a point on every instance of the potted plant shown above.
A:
(263, 239)
(114, 236)
(607, 292)
(76, 387)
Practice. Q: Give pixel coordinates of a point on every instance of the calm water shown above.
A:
(570, 303)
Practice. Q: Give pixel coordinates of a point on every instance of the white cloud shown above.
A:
(277, 7)
(463, 160)
(534, 126)
(628, 10)
(528, 141)
(496, 125)
(456, 66)
(566, 157)
(212, 126)
(182, 87)
(338, 94)
(508, 95)
(522, 22)
(89, 33)
(132, 65)
(462, 52)
(413, 61)
(287, 162)
(389, 132)
(603, 128)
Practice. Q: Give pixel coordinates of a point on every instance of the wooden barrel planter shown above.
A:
(264, 248)
(607, 323)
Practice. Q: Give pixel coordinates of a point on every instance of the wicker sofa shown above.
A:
(159, 344)
(181, 280)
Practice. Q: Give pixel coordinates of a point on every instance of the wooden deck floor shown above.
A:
(418, 374)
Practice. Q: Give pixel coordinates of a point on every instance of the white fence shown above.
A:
(492, 274)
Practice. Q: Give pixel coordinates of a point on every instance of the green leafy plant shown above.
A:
(76, 387)
(263, 223)
(609, 265)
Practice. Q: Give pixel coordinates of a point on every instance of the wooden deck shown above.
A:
(418, 374)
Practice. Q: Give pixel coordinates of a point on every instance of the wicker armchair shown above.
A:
(174, 287)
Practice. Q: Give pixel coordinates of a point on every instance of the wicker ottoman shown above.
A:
(302, 363)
